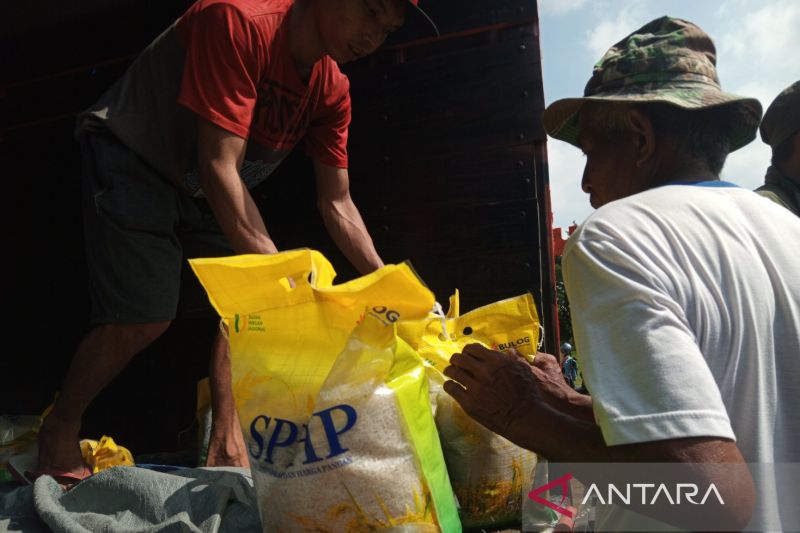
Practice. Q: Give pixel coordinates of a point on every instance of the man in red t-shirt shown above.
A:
(206, 112)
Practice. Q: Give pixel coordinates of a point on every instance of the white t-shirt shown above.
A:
(685, 302)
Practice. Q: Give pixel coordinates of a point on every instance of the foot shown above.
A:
(60, 453)
(66, 480)
(227, 448)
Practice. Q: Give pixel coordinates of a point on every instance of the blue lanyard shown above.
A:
(709, 183)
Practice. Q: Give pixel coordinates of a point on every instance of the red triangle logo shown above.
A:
(562, 482)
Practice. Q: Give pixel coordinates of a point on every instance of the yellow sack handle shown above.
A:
(454, 311)
(509, 323)
(254, 282)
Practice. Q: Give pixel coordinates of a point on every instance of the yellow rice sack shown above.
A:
(334, 407)
(490, 475)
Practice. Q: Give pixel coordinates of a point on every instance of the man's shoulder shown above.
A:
(271, 11)
(251, 7)
(773, 192)
(333, 76)
(333, 86)
(267, 14)
(615, 220)
(643, 220)
(778, 195)
(657, 205)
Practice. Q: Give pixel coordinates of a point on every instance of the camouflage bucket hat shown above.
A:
(667, 60)
(782, 118)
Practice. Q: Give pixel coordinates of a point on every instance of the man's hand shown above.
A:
(497, 390)
(548, 374)
(226, 447)
(514, 398)
(555, 390)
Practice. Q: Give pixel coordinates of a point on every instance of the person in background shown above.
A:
(206, 112)
(780, 128)
(569, 365)
(684, 293)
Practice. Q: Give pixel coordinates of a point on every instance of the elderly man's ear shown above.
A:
(644, 136)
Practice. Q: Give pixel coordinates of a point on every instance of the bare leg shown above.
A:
(101, 355)
(226, 444)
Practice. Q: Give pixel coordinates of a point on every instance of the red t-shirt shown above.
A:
(239, 75)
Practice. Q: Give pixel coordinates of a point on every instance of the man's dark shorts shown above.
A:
(139, 230)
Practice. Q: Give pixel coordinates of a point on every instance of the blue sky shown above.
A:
(758, 55)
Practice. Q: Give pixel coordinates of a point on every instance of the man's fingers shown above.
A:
(469, 363)
(484, 357)
(463, 376)
(479, 352)
(522, 357)
(545, 361)
(539, 373)
(462, 396)
(456, 390)
(459, 394)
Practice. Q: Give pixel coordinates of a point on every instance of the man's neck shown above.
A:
(673, 165)
(790, 171)
(305, 45)
(688, 172)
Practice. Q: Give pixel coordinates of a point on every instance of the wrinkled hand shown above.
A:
(555, 390)
(498, 391)
(550, 379)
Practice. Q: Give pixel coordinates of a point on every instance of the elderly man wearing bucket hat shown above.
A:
(780, 129)
(684, 292)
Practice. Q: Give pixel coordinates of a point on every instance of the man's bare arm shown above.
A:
(342, 218)
(504, 395)
(220, 155)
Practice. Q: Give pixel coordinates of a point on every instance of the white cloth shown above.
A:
(686, 313)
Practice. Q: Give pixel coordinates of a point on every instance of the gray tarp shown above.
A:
(130, 499)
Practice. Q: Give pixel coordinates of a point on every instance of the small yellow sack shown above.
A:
(105, 453)
(490, 475)
(334, 407)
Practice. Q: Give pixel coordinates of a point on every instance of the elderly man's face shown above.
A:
(610, 172)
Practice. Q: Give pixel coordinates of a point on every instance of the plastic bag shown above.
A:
(490, 475)
(17, 434)
(338, 427)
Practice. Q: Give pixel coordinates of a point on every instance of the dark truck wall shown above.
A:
(448, 167)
